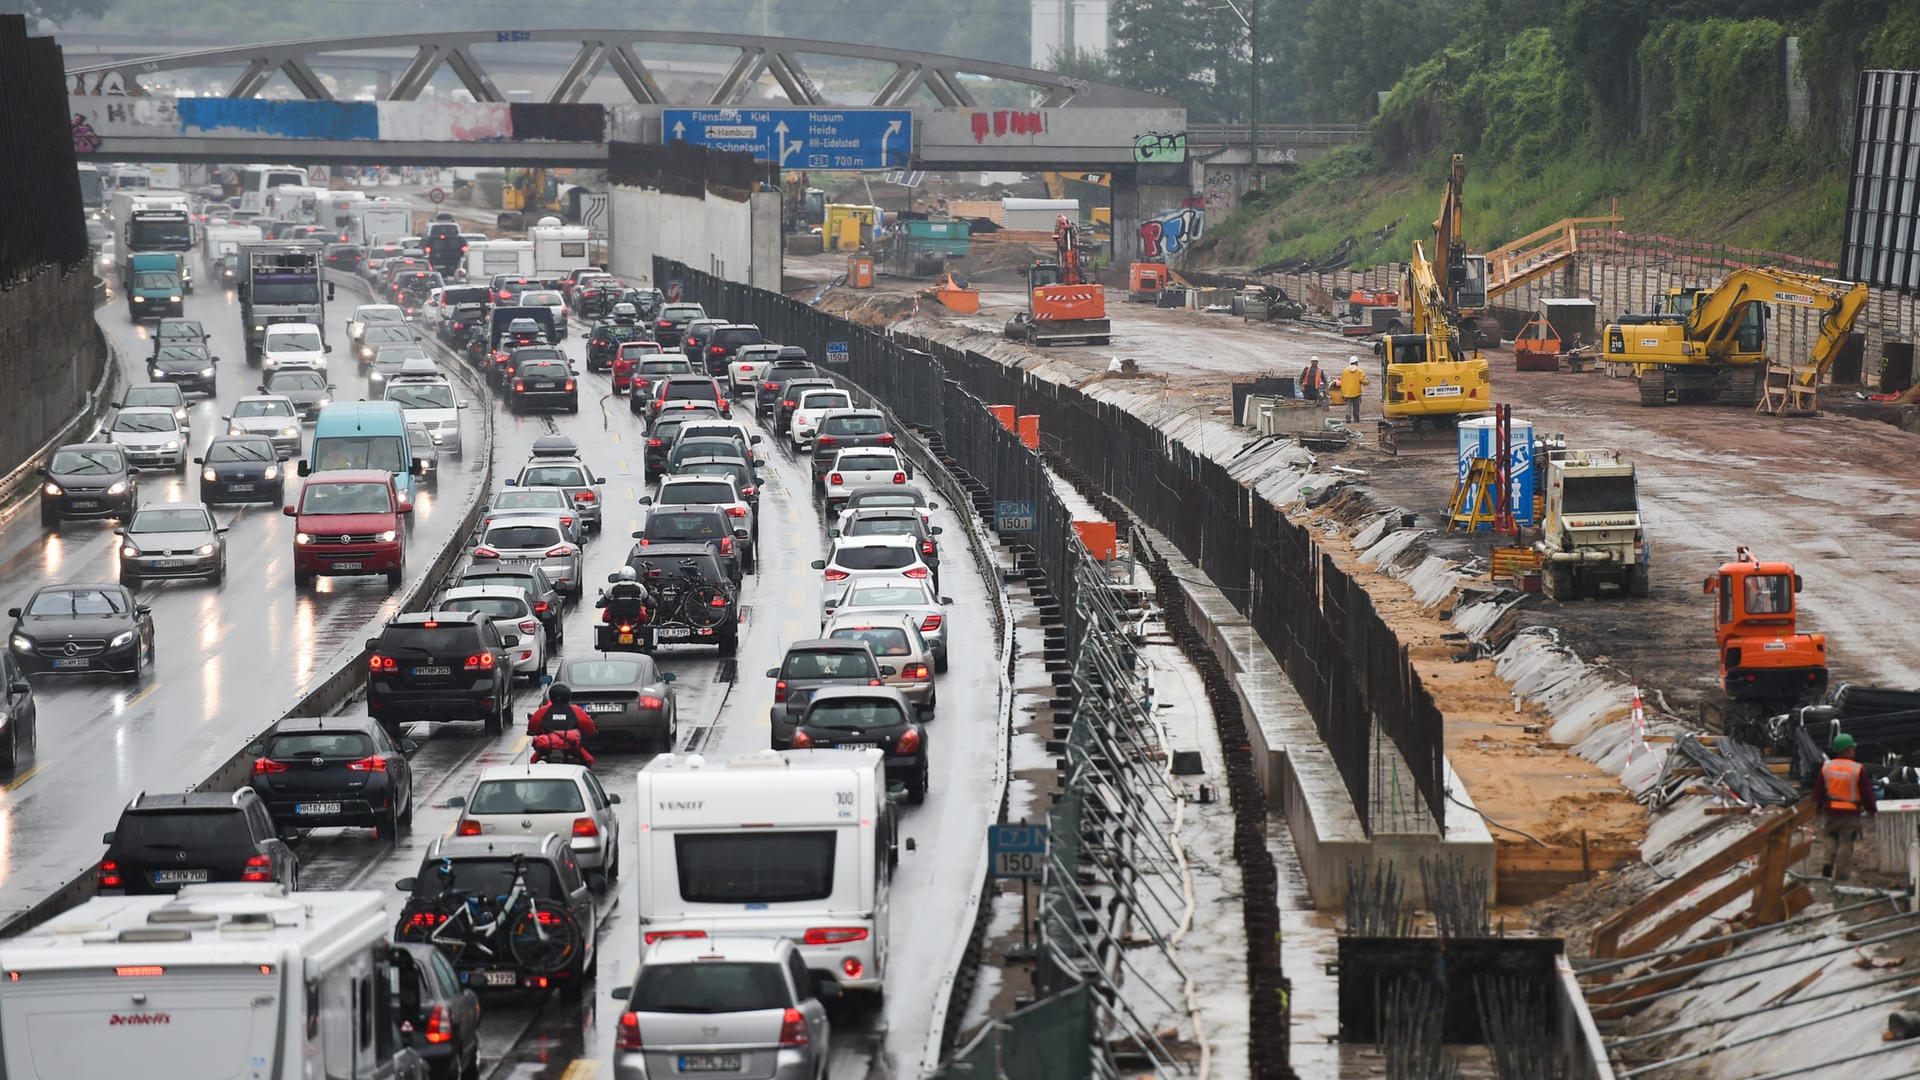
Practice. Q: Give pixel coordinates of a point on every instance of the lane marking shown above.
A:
(22, 778)
(142, 695)
(581, 1069)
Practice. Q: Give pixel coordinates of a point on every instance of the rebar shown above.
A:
(1457, 897)
(1410, 1032)
(1377, 905)
(1515, 1026)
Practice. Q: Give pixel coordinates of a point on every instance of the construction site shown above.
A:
(1625, 505)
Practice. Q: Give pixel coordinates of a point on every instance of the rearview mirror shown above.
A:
(646, 500)
(934, 531)
(819, 564)
(889, 669)
(405, 885)
(772, 672)
(946, 600)
(834, 533)
(753, 439)
(108, 838)
(408, 746)
(289, 511)
(456, 802)
(619, 993)
(403, 507)
(668, 676)
(612, 798)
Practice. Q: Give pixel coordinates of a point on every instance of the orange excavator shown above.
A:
(1763, 658)
(1063, 307)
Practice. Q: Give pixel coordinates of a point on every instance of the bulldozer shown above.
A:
(1063, 307)
(1764, 660)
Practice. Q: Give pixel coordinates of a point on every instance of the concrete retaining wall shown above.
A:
(50, 357)
(734, 238)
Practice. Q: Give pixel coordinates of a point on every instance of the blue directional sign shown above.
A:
(1017, 851)
(837, 353)
(1013, 515)
(800, 138)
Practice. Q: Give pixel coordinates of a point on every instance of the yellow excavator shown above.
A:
(1710, 345)
(1427, 382)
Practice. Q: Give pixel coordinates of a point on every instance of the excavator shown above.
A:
(1427, 383)
(1063, 307)
(1710, 345)
(1764, 659)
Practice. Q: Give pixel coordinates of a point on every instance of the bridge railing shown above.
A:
(1277, 134)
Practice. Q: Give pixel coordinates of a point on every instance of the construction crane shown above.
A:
(1063, 307)
(1426, 381)
(1709, 345)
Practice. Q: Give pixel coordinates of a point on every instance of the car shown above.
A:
(689, 447)
(294, 345)
(19, 713)
(677, 490)
(707, 525)
(87, 480)
(695, 600)
(240, 467)
(890, 495)
(813, 405)
(455, 868)
(164, 841)
(569, 473)
(720, 342)
(530, 578)
(873, 556)
(868, 466)
(535, 538)
(774, 377)
(347, 522)
(743, 370)
(177, 331)
(373, 261)
(308, 390)
(672, 320)
(509, 606)
(552, 301)
(809, 665)
(530, 799)
(270, 416)
(152, 436)
(443, 245)
(665, 426)
(739, 470)
(371, 314)
(441, 666)
(868, 718)
(165, 540)
(411, 288)
(318, 772)
(710, 427)
(579, 274)
(439, 1017)
(780, 416)
(649, 365)
(862, 596)
(693, 341)
(607, 339)
(163, 394)
(190, 367)
(896, 642)
(379, 336)
(631, 700)
(344, 257)
(698, 388)
(424, 452)
(390, 360)
(553, 503)
(894, 521)
(508, 361)
(82, 628)
(543, 384)
(594, 296)
(743, 1006)
(429, 399)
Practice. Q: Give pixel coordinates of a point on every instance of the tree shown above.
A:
(1353, 49)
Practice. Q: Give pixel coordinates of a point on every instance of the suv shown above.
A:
(87, 480)
(776, 374)
(693, 340)
(721, 1001)
(810, 665)
(672, 321)
(695, 602)
(722, 341)
(543, 384)
(564, 472)
(677, 388)
(707, 525)
(313, 772)
(457, 868)
(165, 841)
(348, 523)
(441, 665)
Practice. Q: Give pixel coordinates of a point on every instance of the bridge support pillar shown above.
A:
(1145, 198)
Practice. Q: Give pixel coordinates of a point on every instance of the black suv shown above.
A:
(723, 340)
(695, 601)
(483, 867)
(708, 525)
(91, 480)
(776, 375)
(319, 771)
(166, 841)
(445, 248)
(846, 429)
(810, 665)
(667, 424)
(441, 665)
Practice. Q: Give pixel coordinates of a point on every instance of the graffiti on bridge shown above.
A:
(84, 139)
(1160, 146)
(1170, 232)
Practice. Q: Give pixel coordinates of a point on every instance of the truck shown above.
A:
(921, 248)
(557, 248)
(230, 980)
(151, 221)
(381, 223)
(1591, 533)
(154, 285)
(280, 282)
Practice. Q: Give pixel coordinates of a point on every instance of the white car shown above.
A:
(865, 466)
(367, 314)
(549, 502)
(508, 606)
(875, 595)
(873, 556)
(430, 308)
(743, 371)
(428, 399)
(532, 800)
(272, 415)
(152, 436)
(294, 345)
(552, 301)
(814, 404)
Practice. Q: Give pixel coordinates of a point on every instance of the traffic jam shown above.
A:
(673, 700)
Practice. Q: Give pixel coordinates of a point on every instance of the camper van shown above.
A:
(228, 980)
(796, 844)
(486, 258)
(557, 248)
(257, 180)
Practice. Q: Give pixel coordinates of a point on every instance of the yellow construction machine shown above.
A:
(1710, 345)
(1426, 381)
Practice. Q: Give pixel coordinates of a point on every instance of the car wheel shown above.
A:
(395, 576)
(181, 468)
(12, 758)
(219, 575)
(302, 582)
(50, 518)
(406, 816)
(940, 662)
(573, 990)
(730, 644)
(471, 1070)
(497, 723)
(917, 791)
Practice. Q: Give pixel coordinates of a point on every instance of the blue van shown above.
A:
(363, 435)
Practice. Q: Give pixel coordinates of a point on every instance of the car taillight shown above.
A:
(368, 764)
(802, 740)
(656, 442)
(480, 662)
(786, 403)
(926, 547)
(834, 935)
(909, 742)
(793, 1028)
(468, 827)
(666, 324)
(627, 1036)
(259, 868)
(885, 440)
(382, 663)
(853, 967)
(726, 545)
(584, 496)
(717, 350)
(109, 875)
(485, 553)
(899, 478)
(568, 522)
(540, 607)
(780, 690)
(826, 440)
(916, 671)
(569, 385)
(518, 386)
(559, 552)
(718, 601)
(585, 826)
(836, 478)
(440, 1025)
(736, 511)
(642, 384)
(834, 573)
(749, 493)
(529, 626)
(929, 624)
(661, 935)
(914, 572)
(263, 766)
(648, 701)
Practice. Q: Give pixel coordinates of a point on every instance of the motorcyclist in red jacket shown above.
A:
(558, 727)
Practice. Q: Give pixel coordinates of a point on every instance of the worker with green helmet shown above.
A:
(1843, 795)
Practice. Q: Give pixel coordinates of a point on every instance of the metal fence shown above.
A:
(41, 220)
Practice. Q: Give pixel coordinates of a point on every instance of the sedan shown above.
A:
(389, 359)
(272, 416)
(908, 596)
(379, 336)
(890, 495)
(82, 628)
(629, 698)
(164, 394)
(172, 540)
(18, 713)
(241, 468)
(336, 771)
(308, 390)
(868, 718)
(537, 539)
(439, 1016)
(87, 480)
(152, 437)
(507, 605)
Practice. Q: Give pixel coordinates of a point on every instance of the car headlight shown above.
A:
(119, 639)
(206, 373)
(52, 488)
(171, 444)
(23, 643)
(119, 488)
(272, 473)
(326, 401)
(377, 376)
(209, 475)
(303, 538)
(388, 537)
(259, 329)
(139, 299)
(290, 432)
(156, 373)
(236, 431)
(175, 299)
(204, 549)
(130, 551)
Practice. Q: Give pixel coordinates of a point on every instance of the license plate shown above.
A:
(434, 669)
(602, 706)
(498, 978)
(179, 877)
(1442, 391)
(84, 504)
(672, 632)
(71, 661)
(858, 746)
(316, 808)
(626, 639)
(346, 566)
(240, 487)
(710, 1063)
(543, 385)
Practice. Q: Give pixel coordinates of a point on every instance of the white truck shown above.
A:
(297, 203)
(247, 982)
(1591, 532)
(485, 258)
(381, 223)
(152, 221)
(337, 210)
(557, 248)
(797, 844)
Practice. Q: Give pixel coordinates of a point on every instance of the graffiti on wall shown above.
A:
(1001, 123)
(1171, 231)
(84, 139)
(1168, 147)
(1223, 196)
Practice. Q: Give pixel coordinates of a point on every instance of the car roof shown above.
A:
(271, 327)
(146, 410)
(184, 800)
(194, 505)
(854, 620)
(350, 476)
(893, 489)
(115, 447)
(875, 581)
(829, 693)
(300, 724)
(265, 397)
(828, 645)
(875, 541)
(527, 770)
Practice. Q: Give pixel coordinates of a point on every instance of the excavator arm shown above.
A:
(1716, 315)
(1429, 307)
(1447, 245)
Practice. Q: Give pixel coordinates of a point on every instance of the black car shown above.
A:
(543, 384)
(780, 416)
(665, 426)
(87, 480)
(672, 321)
(695, 601)
(77, 629)
(441, 665)
(444, 245)
(605, 339)
(176, 331)
(810, 665)
(439, 1017)
(320, 771)
(868, 718)
(721, 342)
(630, 699)
(186, 838)
(707, 525)
(379, 335)
(239, 469)
(846, 429)
(504, 370)
(18, 715)
(190, 367)
(774, 377)
(345, 257)
(456, 868)
(308, 390)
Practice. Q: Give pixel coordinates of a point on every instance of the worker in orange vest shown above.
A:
(1844, 794)
(1313, 382)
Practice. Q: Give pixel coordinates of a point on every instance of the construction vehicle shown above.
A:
(1710, 345)
(1426, 382)
(1591, 535)
(921, 248)
(1063, 307)
(849, 227)
(801, 207)
(1764, 659)
(524, 191)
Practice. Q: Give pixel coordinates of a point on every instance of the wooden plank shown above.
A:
(1675, 924)
(1769, 875)
(1526, 860)
(1619, 1001)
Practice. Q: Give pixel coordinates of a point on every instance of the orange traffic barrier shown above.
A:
(1030, 431)
(1004, 414)
(1102, 538)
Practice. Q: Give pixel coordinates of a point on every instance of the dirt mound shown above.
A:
(870, 308)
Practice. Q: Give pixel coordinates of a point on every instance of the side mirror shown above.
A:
(819, 564)
(120, 531)
(221, 530)
(256, 750)
(510, 482)
(637, 534)
(403, 507)
(946, 600)
(889, 669)
(328, 347)
(826, 990)
(196, 461)
(457, 802)
(646, 500)
(619, 993)
(21, 686)
(329, 290)
(833, 533)
(142, 609)
(752, 439)
(303, 468)
(263, 389)
(405, 885)
(599, 480)
(13, 612)
(613, 799)
(668, 676)
(373, 644)
(461, 404)
(935, 531)
(289, 511)
(510, 640)
(773, 673)
(759, 463)
(42, 470)
(108, 838)
(933, 506)
(1796, 583)
(742, 534)
(408, 746)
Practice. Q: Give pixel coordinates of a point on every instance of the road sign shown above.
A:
(593, 214)
(1013, 515)
(674, 287)
(800, 138)
(837, 353)
(436, 196)
(1017, 851)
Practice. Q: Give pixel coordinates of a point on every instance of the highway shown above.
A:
(231, 659)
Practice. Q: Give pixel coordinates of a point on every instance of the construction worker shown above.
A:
(1313, 382)
(1353, 383)
(1843, 795)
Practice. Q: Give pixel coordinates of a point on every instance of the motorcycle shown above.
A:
(624, 624)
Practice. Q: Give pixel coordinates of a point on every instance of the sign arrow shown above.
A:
(786, 147)
(679, 130)
(893, 128)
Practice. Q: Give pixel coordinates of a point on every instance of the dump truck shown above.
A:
(1591, 533)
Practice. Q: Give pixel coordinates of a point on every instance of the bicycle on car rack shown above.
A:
(539, 936)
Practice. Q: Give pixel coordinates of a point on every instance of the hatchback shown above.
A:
(725, 1007)
(164, 540)
(508, 606)
(871, 466)
(439, 1017)
(528, 800)
(629, 698)
(868, 718)
(529, 578)
(535, 538)
(697, 388)
(87, 480)
(897, 642)
(314, 772)
(152, 437)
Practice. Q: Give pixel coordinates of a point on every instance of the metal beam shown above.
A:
(418, 74)
(744, 72)
(472, 75)
(793, 79)
(304, 80)
(579, 75)
(639, 81)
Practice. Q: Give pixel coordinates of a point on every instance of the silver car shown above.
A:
(542, 501)
(907, 596)
(389, 359)
(172, 540)
(732, 1006)
(535, 538)
(152, 436)
(272, 415)
(570, 474)
(509, 606)
(430, 401)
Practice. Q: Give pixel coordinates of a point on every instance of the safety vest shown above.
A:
(1842, 779)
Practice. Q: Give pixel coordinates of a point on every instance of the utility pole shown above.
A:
(1253, 90)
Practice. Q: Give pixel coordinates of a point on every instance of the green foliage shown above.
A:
(1713, 97)
(1354, 49)
(1524, 106)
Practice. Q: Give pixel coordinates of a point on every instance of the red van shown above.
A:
(347, 523)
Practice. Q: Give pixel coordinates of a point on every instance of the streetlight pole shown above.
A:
(1250, 19)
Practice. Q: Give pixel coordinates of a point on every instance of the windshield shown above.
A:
(853, 714)
(294, 341)
(241, 450)
(180, 355)
(527, 795)
(884, 596)
(662, 367)
(155, 279)
(86, 463)
(885, 640)
(1598, 495)
(538, 500)
(387, 335)
(144, 421)
(361, 452)
(718, 468)
(523, 536)
(697, 494)
(173, 328)
(285, 289)
(422, 395)
(167, 394)
(171, 520)
(876, 557)
(263, 408)
(392, 356)
(540, 299)
(1768, 594)
(380, 313)
(346, 499)
(853, 425)
(691, 391)
(884, 527)
(295, 380)
(499, 607)
(763, 867)
(606, 673)
(709, 987)
(554, 476)
(816, 401)
(147, 234)
(77, 602)
(837, 664)
(486, 877)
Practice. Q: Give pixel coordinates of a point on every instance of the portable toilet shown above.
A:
(1479, 439)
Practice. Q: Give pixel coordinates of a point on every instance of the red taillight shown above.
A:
(793, 1028)
(585, 826)
(717, 350)
(518, 386)
(656, 442)
(530, 626)
(648, 701)
(259, 868)
(736, 511)
(726, 545)
(802, 740)
(642, 384)
(852, 967)
(899, 478)
(835, 935)
(719, 601)
(368, 764)
(834, 573)
(661, 935)
(748, 493)
(826, 440)
(780, 690)
(836, 478)
(485, 553)
(468, 827)
(627, 1037)
(110, 874)
(584, 496)
(909, 742)
(930, 624)
(926, 547)
(568, 522)
(786, 403)
(139, 970)
(916, 671)
(540, 607)
(885, 440)
(666, 324)
(263, 766)
(480, 662)
(382, 663)
(440, 1025)
(569, 385)
(914, 572)
(559, 552)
